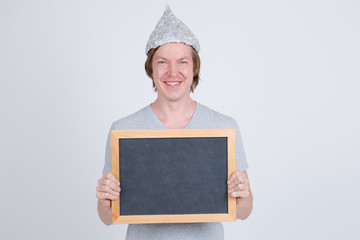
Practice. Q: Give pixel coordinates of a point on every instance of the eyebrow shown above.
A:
(182, 58)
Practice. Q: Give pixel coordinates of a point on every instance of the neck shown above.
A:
(174, 114)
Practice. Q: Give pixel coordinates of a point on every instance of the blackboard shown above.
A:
(173, 175)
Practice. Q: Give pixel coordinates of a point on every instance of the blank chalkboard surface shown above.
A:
(173, 175)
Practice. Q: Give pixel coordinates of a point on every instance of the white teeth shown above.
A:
(172, 83)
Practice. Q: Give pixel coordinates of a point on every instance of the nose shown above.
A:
(172, 69)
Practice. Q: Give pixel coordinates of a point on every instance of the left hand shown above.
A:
(238, 185)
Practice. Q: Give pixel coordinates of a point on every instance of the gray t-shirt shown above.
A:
(203, 117)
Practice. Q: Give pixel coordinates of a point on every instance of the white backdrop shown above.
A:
(287, 71)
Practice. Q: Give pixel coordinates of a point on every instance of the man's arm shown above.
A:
(104, 213)
(239, 188)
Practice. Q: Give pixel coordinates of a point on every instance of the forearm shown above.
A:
(104, 214)
(244, 207)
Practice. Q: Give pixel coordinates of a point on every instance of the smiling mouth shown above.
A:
(172, 83)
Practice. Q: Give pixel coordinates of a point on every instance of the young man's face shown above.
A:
(172, 66)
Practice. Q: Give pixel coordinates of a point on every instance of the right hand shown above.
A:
(108, 189)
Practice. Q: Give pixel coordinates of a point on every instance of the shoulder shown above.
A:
(132, 121)
(215, 118)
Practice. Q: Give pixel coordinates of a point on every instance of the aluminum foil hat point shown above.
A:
(171, 29)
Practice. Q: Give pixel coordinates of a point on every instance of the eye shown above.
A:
(161, 62)
(183, 62)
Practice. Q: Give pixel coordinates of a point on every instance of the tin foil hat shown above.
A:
(171, 29)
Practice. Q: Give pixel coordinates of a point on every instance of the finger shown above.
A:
(233, 177)
(241, 187)
(107, 189)
(240, 194)
(106, 196)
(111, 177)
(235, 182)
(110, 184)
(240, 179)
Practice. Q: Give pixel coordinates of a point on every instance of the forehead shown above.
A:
(179, 50)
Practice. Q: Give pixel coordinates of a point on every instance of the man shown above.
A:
(173, 64)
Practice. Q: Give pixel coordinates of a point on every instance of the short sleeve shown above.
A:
(107, 165)
(241, 163)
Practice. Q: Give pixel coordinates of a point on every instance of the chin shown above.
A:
(173, 98)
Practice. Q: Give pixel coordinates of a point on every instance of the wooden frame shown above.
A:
(230, 134)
